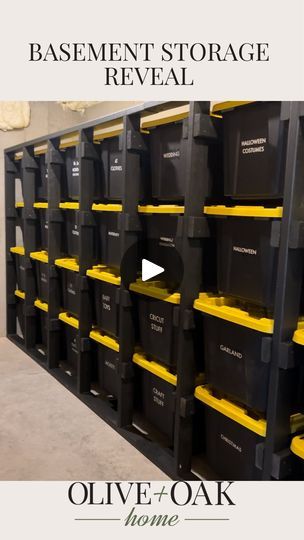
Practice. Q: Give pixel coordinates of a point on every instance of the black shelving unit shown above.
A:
(203, 130)
(277, 456)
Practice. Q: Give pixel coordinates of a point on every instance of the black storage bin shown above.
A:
(106, 293)
(19, 259)
(168, 150)
(41, 272)
(43, 229)
(254, 151)
(20, 312)
(42, 280)
(298, 345)
(113, 170)
(19, 223)
(109, 238)
(42, 180)
(71, 219)
(73, 176)
(297, 449)
(43, 328)
(42, 309)
(155, 395)
(107, 362)
(72, 173)
(158, 319)
(162, 243)
(246, 258)
(237, 350)
(69, 276)
(70, 340)
(234, 440)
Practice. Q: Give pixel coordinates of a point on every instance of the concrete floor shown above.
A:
(46, 433)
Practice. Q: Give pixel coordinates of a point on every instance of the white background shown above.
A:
(279, 23)
(38, 511)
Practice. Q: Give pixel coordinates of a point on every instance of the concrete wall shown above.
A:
(46, 117)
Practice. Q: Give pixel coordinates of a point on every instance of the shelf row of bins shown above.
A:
(254, 152)
(162, 164)
(244, 247)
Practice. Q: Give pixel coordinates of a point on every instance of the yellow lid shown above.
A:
(105, 340)
(297, 446)
(224, 308)
(244, 211)
(103, 273)
(19, 204)
(112, 128)
(41, 256)
(107, 207)
(41, 305)
(155, 289)
(69, 205)
(68, 319)
(40, 205)
(232, 411)
(68, 263)
(160, 371)
(20, 294)
(296, 423)
(300, 322)
(298, 336)
(166, 116)
(161, 209)
(19, 250)
(226, 105)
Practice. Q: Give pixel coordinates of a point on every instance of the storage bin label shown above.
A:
(71, 289)
(171, 155)
(158, 397)
(253, 146)
(74, 346)
(231, 443)
(106, 302)
(115, 165)
(232, 352)
(246, 251)
(75, 167)
(157, 322)
(166, 242)
(110, 365)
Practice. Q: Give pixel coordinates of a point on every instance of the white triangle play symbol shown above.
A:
(150, 270)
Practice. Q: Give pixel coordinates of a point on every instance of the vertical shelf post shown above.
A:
(55, 166)
(287, 300)
(201, 132)
(29, 169)
(132, 145)
(10, 237)
(88, 155)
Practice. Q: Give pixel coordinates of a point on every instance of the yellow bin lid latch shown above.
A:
(155, 289)
(102, 273)
(105, 340)
(244, 211)
(41, 256)
(68, 263)
(68, 319)
(225, 308)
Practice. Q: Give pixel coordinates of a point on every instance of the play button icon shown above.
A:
(150, 269)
